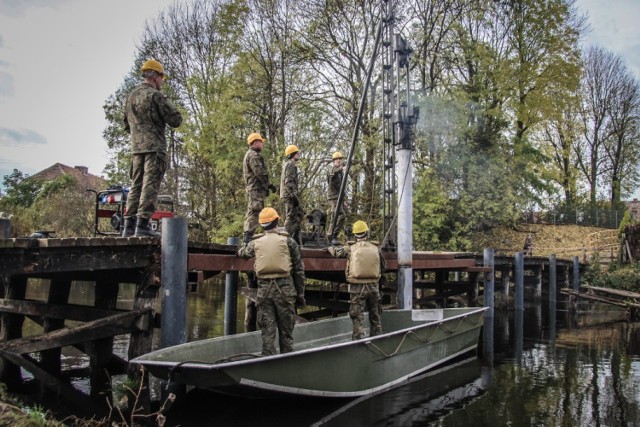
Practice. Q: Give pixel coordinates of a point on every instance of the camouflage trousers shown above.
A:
(293, 219)
(365, 297)
(276, 312)
(255, 203)
(342, 216)
(147, 171)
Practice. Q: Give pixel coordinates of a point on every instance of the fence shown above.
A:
(579, 215)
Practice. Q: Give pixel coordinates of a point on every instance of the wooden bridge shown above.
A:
(108, 262)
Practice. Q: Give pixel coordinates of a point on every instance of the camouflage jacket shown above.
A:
(297, 265)
(289, 182)
(255, 173)
(147, 112)
(334, 181)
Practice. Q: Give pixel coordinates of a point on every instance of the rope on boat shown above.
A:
(446, 329)
(406, 334)
(424, 341)
(470, 320)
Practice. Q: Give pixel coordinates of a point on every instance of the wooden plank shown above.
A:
(114, 325)
(617, 292)
(590, 297)
(80, 400)
(75, 312)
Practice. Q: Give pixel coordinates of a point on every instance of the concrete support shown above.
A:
(489, 284)
(174, 281)
(231, 296)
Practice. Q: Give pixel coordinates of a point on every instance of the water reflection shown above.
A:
(559, 367)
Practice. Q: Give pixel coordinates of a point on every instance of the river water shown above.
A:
(584, 371)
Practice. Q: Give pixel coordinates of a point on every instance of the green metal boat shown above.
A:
(325, 361)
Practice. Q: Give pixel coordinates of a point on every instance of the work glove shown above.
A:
(300, 301)
(272, 188)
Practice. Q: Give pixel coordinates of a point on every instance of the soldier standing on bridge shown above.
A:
(147, 112)
(256, 180)
(280, 271)
(335, 175)
(290, 195)
(365, 265)
(528, 245)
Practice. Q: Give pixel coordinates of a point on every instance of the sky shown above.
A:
(61, 59)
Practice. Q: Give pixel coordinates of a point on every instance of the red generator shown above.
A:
(111, 206)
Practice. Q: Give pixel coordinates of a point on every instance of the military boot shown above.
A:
(129, 226)
(143, 229)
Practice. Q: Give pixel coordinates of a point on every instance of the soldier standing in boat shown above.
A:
(280, 272)
(365, 265)
(256, 179)
(290, 195)
(335, 175)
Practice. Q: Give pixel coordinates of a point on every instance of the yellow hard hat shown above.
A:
(267, 215)
(254, 137)
(360, 227)
(337, 155)
(152, 64)
(290, 150)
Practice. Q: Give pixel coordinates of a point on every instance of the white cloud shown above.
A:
(18, 8)
(614, 26)
(13, 137)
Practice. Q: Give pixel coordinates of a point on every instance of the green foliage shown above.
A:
(15, 414)
(59, 205)
(627, 220)
(625, 278)
(20, 191)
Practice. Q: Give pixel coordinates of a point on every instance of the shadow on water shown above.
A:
(422, 399)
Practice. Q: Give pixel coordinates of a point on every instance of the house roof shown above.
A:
(81, 173)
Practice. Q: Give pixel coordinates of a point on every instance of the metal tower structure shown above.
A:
(399, 120)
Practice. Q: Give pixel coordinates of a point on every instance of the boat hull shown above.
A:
(325, 362)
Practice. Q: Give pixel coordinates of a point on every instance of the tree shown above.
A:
(600, 76)
(622, 147)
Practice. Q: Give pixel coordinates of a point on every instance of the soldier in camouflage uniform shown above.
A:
(334, 181)
(365, 265)
(290, 195)
(280, 272)
(256, 181)
(147, 112)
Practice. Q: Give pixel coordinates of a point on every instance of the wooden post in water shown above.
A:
(441, 277)
(552, 281)
(11, 328)
(489, 284)
(59, 290)
(101, 351)
(519, 314)
(576, 273)
(552, 298)
(537, 294)
(231, 296)
(141, 342)
(505, 278)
